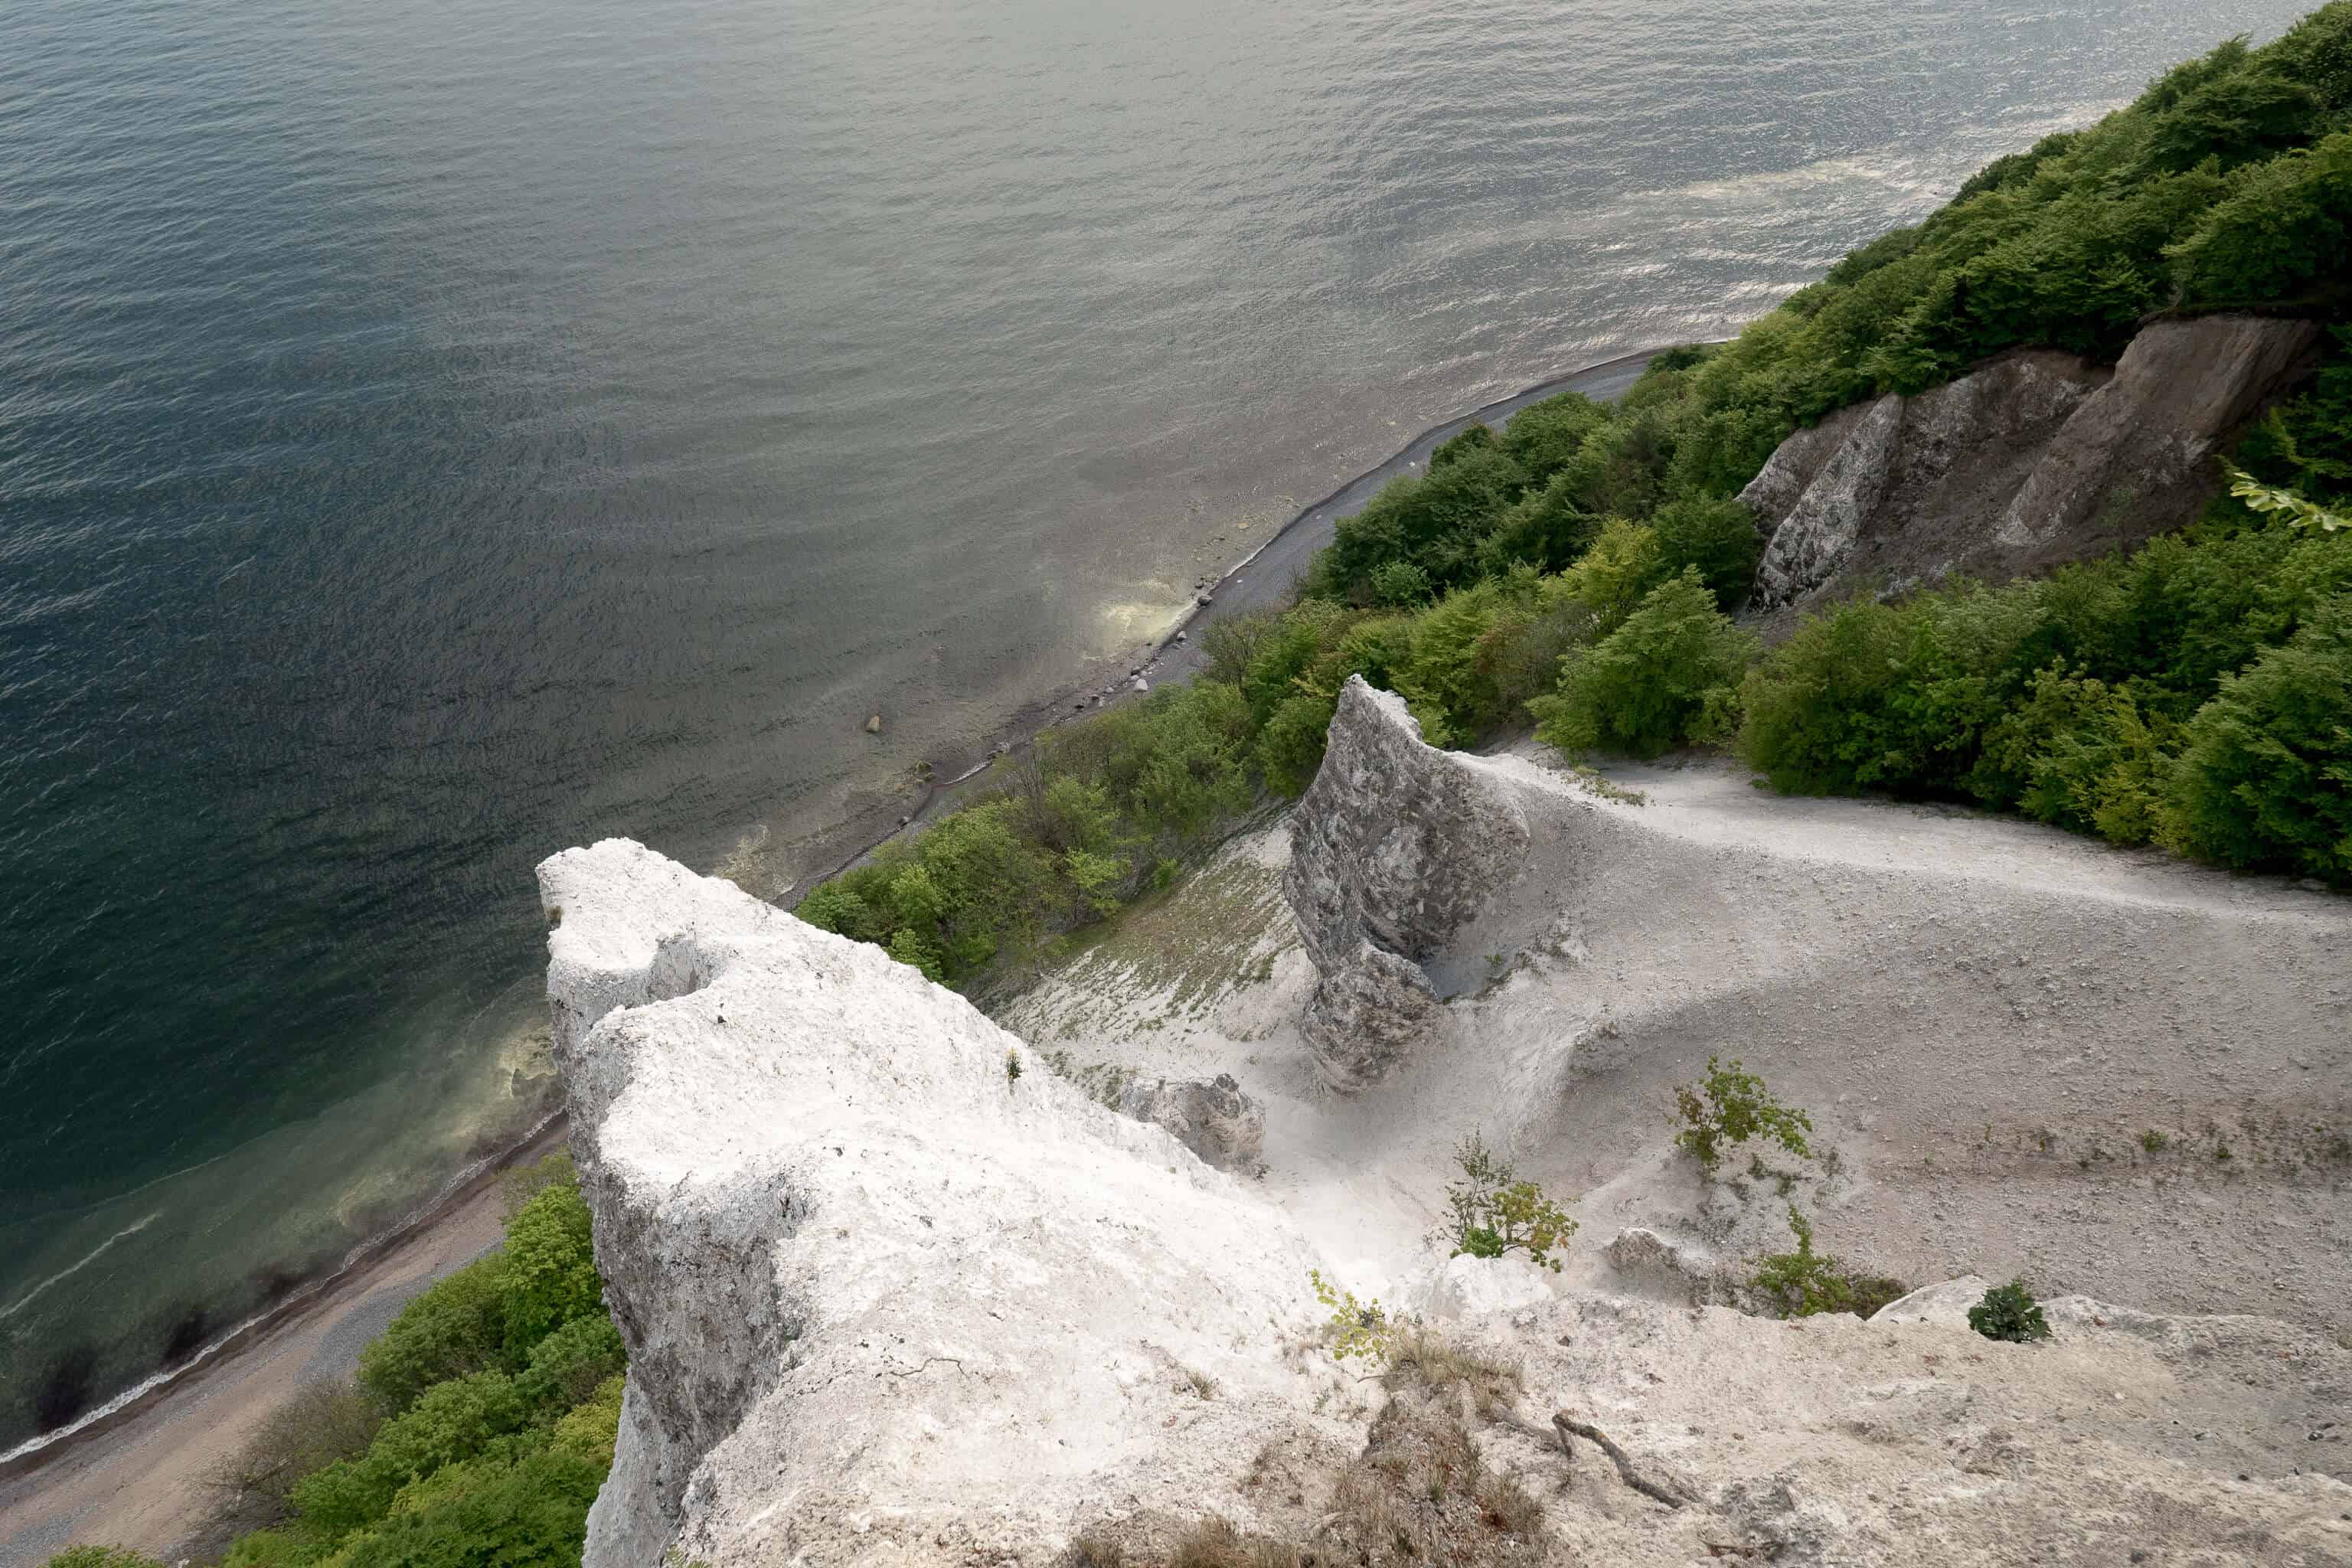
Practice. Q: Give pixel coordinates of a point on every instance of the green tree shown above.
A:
(550, 1274)
(532, 1513)
(457, 1326)
(2284, 229)
(1717, 538)
(449, 1423)
(2266, 775)
(1624, 563)
(570, 1365)
(1290, 748)
(1666, 676)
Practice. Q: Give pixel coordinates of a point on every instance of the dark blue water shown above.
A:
(432, 434)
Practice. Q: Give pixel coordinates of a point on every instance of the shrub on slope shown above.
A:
(482, 1426)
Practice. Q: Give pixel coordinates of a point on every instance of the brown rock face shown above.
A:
(2037, 458)
(2132, 461)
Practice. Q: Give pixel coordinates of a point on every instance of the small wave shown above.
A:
(746, 864)
(25, 1299)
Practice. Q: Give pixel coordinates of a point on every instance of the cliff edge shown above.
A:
(888, 1302)
(887, 1284)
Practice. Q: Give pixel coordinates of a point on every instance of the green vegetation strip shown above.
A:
(1579, 566)
(476, 1434)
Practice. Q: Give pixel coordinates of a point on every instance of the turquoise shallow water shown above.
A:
(433, 434)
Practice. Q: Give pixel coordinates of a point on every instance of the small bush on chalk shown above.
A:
(1363, 1330)
(1494, 1213)
(1731, 1106)
(1803, 1283)
(2009, 1312)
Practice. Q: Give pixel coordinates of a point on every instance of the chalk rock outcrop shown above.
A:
(1463, 1287)
(1661, 1268)
(884, 1300)
(1394, 848)
(1211, 1116)
(2035, 459)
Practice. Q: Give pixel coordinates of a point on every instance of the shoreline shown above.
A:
(1261, 579)
(1243, 587)
(365, 1260)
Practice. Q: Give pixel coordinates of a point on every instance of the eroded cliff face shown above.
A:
(2036, 459)
(888, 1304)
(881, 1294)
(1394, 848)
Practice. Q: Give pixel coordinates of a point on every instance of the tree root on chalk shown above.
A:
(1565, 1425)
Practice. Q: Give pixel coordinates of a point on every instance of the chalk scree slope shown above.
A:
(886, 1304)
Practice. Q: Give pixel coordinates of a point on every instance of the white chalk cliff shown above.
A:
(886, 1304)
(881, 1295)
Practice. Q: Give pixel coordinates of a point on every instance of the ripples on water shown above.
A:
(433, 434)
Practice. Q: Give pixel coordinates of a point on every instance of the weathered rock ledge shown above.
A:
(1394, 848)
(2036, 459)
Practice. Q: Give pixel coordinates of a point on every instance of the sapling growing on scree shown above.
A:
(1494, 1213)
(1731, 1106)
